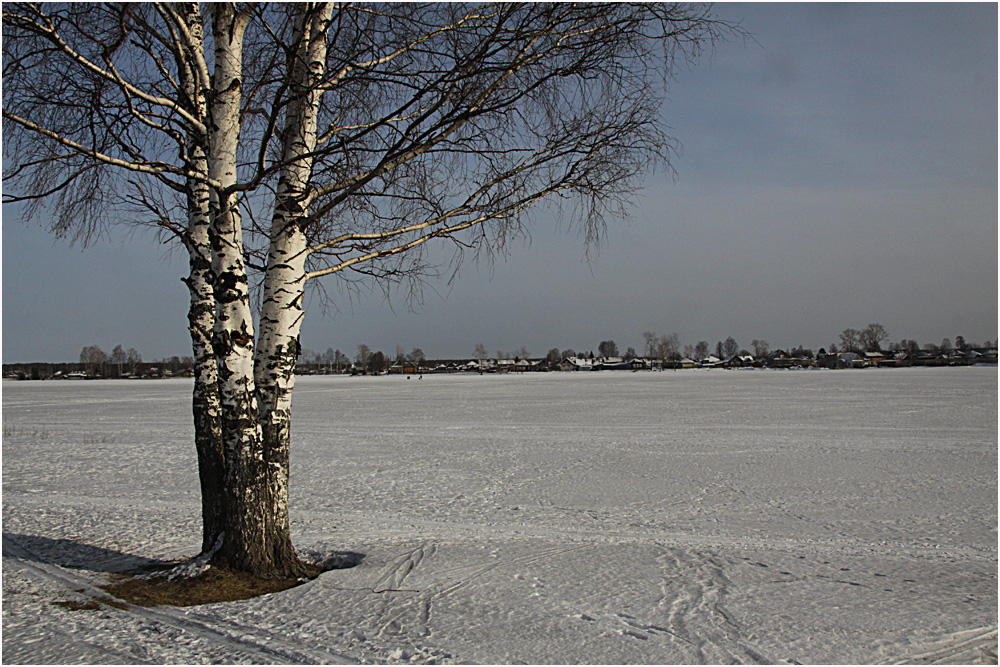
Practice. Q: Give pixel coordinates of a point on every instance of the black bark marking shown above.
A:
(227, 286)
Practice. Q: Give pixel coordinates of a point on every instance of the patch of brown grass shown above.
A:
(213, 585)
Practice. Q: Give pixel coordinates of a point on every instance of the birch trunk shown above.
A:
(201, 312)
(205, 405)
(281, 313)
(246, 524)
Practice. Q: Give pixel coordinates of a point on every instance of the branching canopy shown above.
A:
(437, 121)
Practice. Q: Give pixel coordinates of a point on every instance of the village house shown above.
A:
(874, 358)
(505, 365)
(404, 368)
(849, 360)
(779, 359)
(576, 364)
(619, 364)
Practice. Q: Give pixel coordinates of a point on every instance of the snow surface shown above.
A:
(651, 517)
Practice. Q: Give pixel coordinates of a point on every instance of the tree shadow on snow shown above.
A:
(204, 587)
(331, 560)
(74, 555)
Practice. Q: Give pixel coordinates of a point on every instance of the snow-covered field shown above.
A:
(675, 517)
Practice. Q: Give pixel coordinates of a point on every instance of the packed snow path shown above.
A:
(675, 517)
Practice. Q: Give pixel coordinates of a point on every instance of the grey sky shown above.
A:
(841, 171)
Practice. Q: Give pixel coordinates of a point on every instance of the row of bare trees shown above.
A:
(281, 143)
(97, 362)
(869, 339)
(121, 363)
(872, 338)
(94, 362)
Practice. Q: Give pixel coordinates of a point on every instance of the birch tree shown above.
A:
(282, 144)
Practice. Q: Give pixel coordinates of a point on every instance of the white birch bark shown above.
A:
(205, 406)
(285, 277)
(233, 341)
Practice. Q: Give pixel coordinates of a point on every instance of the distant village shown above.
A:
(857, 350)
(777, 359)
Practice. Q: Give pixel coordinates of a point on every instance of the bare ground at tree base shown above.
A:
(213, 585)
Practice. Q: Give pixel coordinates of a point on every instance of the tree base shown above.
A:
(284, 564)
(213, 585)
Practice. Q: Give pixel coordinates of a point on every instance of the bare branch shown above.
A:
(41, 26)
(155, 168)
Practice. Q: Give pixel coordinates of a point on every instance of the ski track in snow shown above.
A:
(253, 644)
(977, 646)
(689, 517)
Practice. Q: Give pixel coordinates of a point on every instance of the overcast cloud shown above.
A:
(840, 171)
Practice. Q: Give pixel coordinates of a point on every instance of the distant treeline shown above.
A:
(853, 349)
(95, 363)
(70, 371)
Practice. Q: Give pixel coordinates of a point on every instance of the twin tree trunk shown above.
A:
(243, 387)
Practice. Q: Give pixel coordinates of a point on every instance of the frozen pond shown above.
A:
(674, 517)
